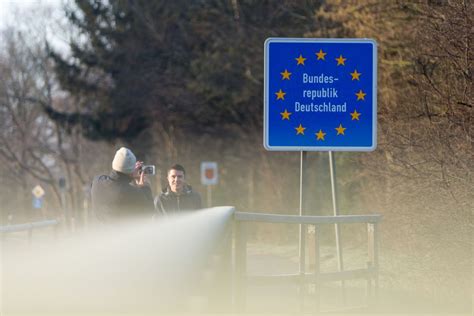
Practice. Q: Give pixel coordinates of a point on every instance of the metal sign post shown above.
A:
(340, 262)
(302, 239)
(62, 190)
(209, 196)
(320, 95)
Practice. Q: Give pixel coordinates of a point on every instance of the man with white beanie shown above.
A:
(124, 193)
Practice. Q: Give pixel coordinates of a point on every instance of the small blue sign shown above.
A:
(37, 202)
(320, 94)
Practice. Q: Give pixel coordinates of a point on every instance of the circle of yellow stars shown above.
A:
(300, 61)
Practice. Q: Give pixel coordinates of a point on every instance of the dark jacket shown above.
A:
(170, 202)
(114, 197)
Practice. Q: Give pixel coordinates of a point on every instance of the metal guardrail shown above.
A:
(370, 273)
(296, 219)
(238, 268)
(29, 227)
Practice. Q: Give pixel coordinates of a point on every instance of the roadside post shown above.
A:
(86, 190)
(320, 95)
(62, 190)
(209, 177)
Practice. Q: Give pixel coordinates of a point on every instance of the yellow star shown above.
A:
(340, 130)
(341, 60)
(355, 115)
(360, 95)
(355, 75)
(280, 95)
(285, 115)
(321, 54)
(300, 130)
(320, 135)
(300, 60)
(285, 75)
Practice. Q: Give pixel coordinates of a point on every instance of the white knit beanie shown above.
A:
(124, 161)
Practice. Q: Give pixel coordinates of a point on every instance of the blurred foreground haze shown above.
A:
(182, 82)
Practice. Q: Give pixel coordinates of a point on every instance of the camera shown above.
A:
(148, 169)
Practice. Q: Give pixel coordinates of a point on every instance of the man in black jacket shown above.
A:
(178, 195)
(124, 193)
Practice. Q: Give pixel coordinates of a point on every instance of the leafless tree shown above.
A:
(33, 148)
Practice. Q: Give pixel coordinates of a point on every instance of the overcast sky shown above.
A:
(9, 7)
(36, 18)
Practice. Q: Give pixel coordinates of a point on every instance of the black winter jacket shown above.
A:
(114, 197)
(169, 202)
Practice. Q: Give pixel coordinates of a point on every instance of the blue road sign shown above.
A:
(37, 202)
(320, 94)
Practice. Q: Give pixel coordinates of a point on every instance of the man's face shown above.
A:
(176, 180)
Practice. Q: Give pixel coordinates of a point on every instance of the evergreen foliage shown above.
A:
(189, 64)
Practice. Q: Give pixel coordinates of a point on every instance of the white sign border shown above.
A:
(266, 101)
(209, 165)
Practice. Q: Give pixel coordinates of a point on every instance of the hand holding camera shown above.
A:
(140, 173)
(148, 169)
